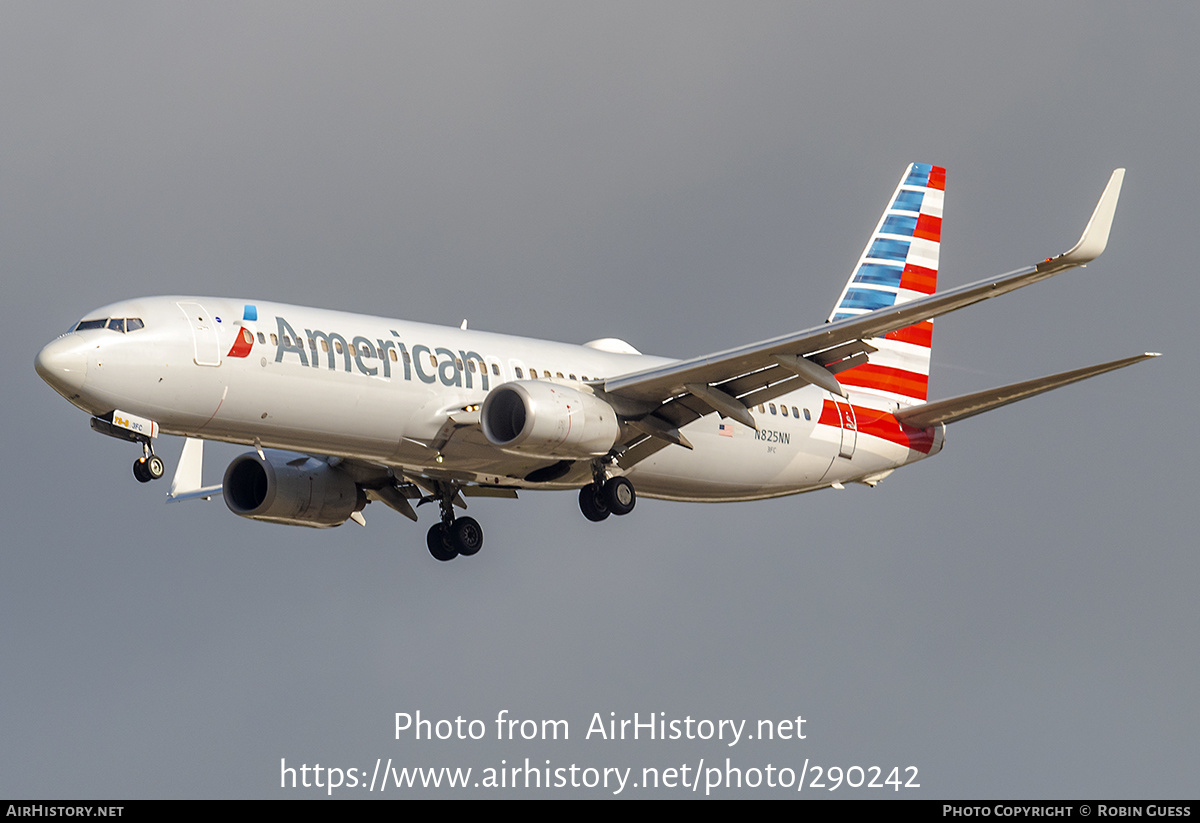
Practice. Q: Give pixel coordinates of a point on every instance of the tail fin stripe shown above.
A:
(879, 275)
(885, 378)
(918, 175)
(887, 249)
(928, 227)
(919, 279)
(919, 335)
(869, 299)
(902, 224)
(908, 200)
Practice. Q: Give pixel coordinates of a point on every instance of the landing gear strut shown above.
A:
(453, 536)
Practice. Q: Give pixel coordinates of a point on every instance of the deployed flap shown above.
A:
(969, 405)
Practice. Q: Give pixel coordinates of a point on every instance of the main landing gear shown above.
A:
(453, 535)
(602, 498)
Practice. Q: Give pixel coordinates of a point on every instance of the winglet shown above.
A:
(1095, 235)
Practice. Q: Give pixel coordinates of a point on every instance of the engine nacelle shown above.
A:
(290, 488)
(542, 419)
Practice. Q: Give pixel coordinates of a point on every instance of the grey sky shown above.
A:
(1015, 617)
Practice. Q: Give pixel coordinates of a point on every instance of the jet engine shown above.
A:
(543, 419)
(295, 489)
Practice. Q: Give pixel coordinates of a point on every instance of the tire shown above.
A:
(591, 503)
(466, 536)
(155, 467)
(140, 471)
(439, 545)
(619, 495)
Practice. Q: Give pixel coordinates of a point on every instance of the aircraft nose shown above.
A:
(63, 364)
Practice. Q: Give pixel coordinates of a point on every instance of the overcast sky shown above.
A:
(1015, 618)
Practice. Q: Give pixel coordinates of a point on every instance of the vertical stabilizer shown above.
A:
(899, 264)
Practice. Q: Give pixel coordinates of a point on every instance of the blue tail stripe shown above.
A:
(884, 249)
(879, 274)
(867, 299)
(899, 224)
(919, 176)
(908, 200)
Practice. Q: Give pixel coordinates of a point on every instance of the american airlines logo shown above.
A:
(374, 357)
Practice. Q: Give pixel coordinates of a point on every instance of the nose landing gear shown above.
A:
(148, 467)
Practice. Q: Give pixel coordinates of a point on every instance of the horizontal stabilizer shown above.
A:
(969, 405)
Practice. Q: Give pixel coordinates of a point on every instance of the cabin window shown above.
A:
(761, 409)
(470, 365)
(495, 370)
(458, 364)
(795, 412)
(517, 369)
(274, 339)
(559, 374)
(807, 416)
(572, 377)
(407, 357)
(771, 406)
(262, 338)
(784, 410)
(392, 353)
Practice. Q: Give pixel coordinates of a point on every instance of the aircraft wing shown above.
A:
(730, 381)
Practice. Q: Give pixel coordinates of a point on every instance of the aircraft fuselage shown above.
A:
(354, 386)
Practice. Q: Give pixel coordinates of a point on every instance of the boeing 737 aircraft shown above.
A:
(346, 409)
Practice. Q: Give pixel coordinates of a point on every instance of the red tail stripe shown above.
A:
(887, 378)
(919, 279)
(919, 335)
(929, 228)
(937, 178)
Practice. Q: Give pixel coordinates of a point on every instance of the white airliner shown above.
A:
(345, 409)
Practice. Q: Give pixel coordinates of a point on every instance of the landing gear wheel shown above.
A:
(466, 536)
(439, 544)
(619, 495)
(141, 471)
(155, 467)
(591, 503)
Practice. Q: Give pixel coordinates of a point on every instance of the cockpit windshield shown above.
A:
(120, 324)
